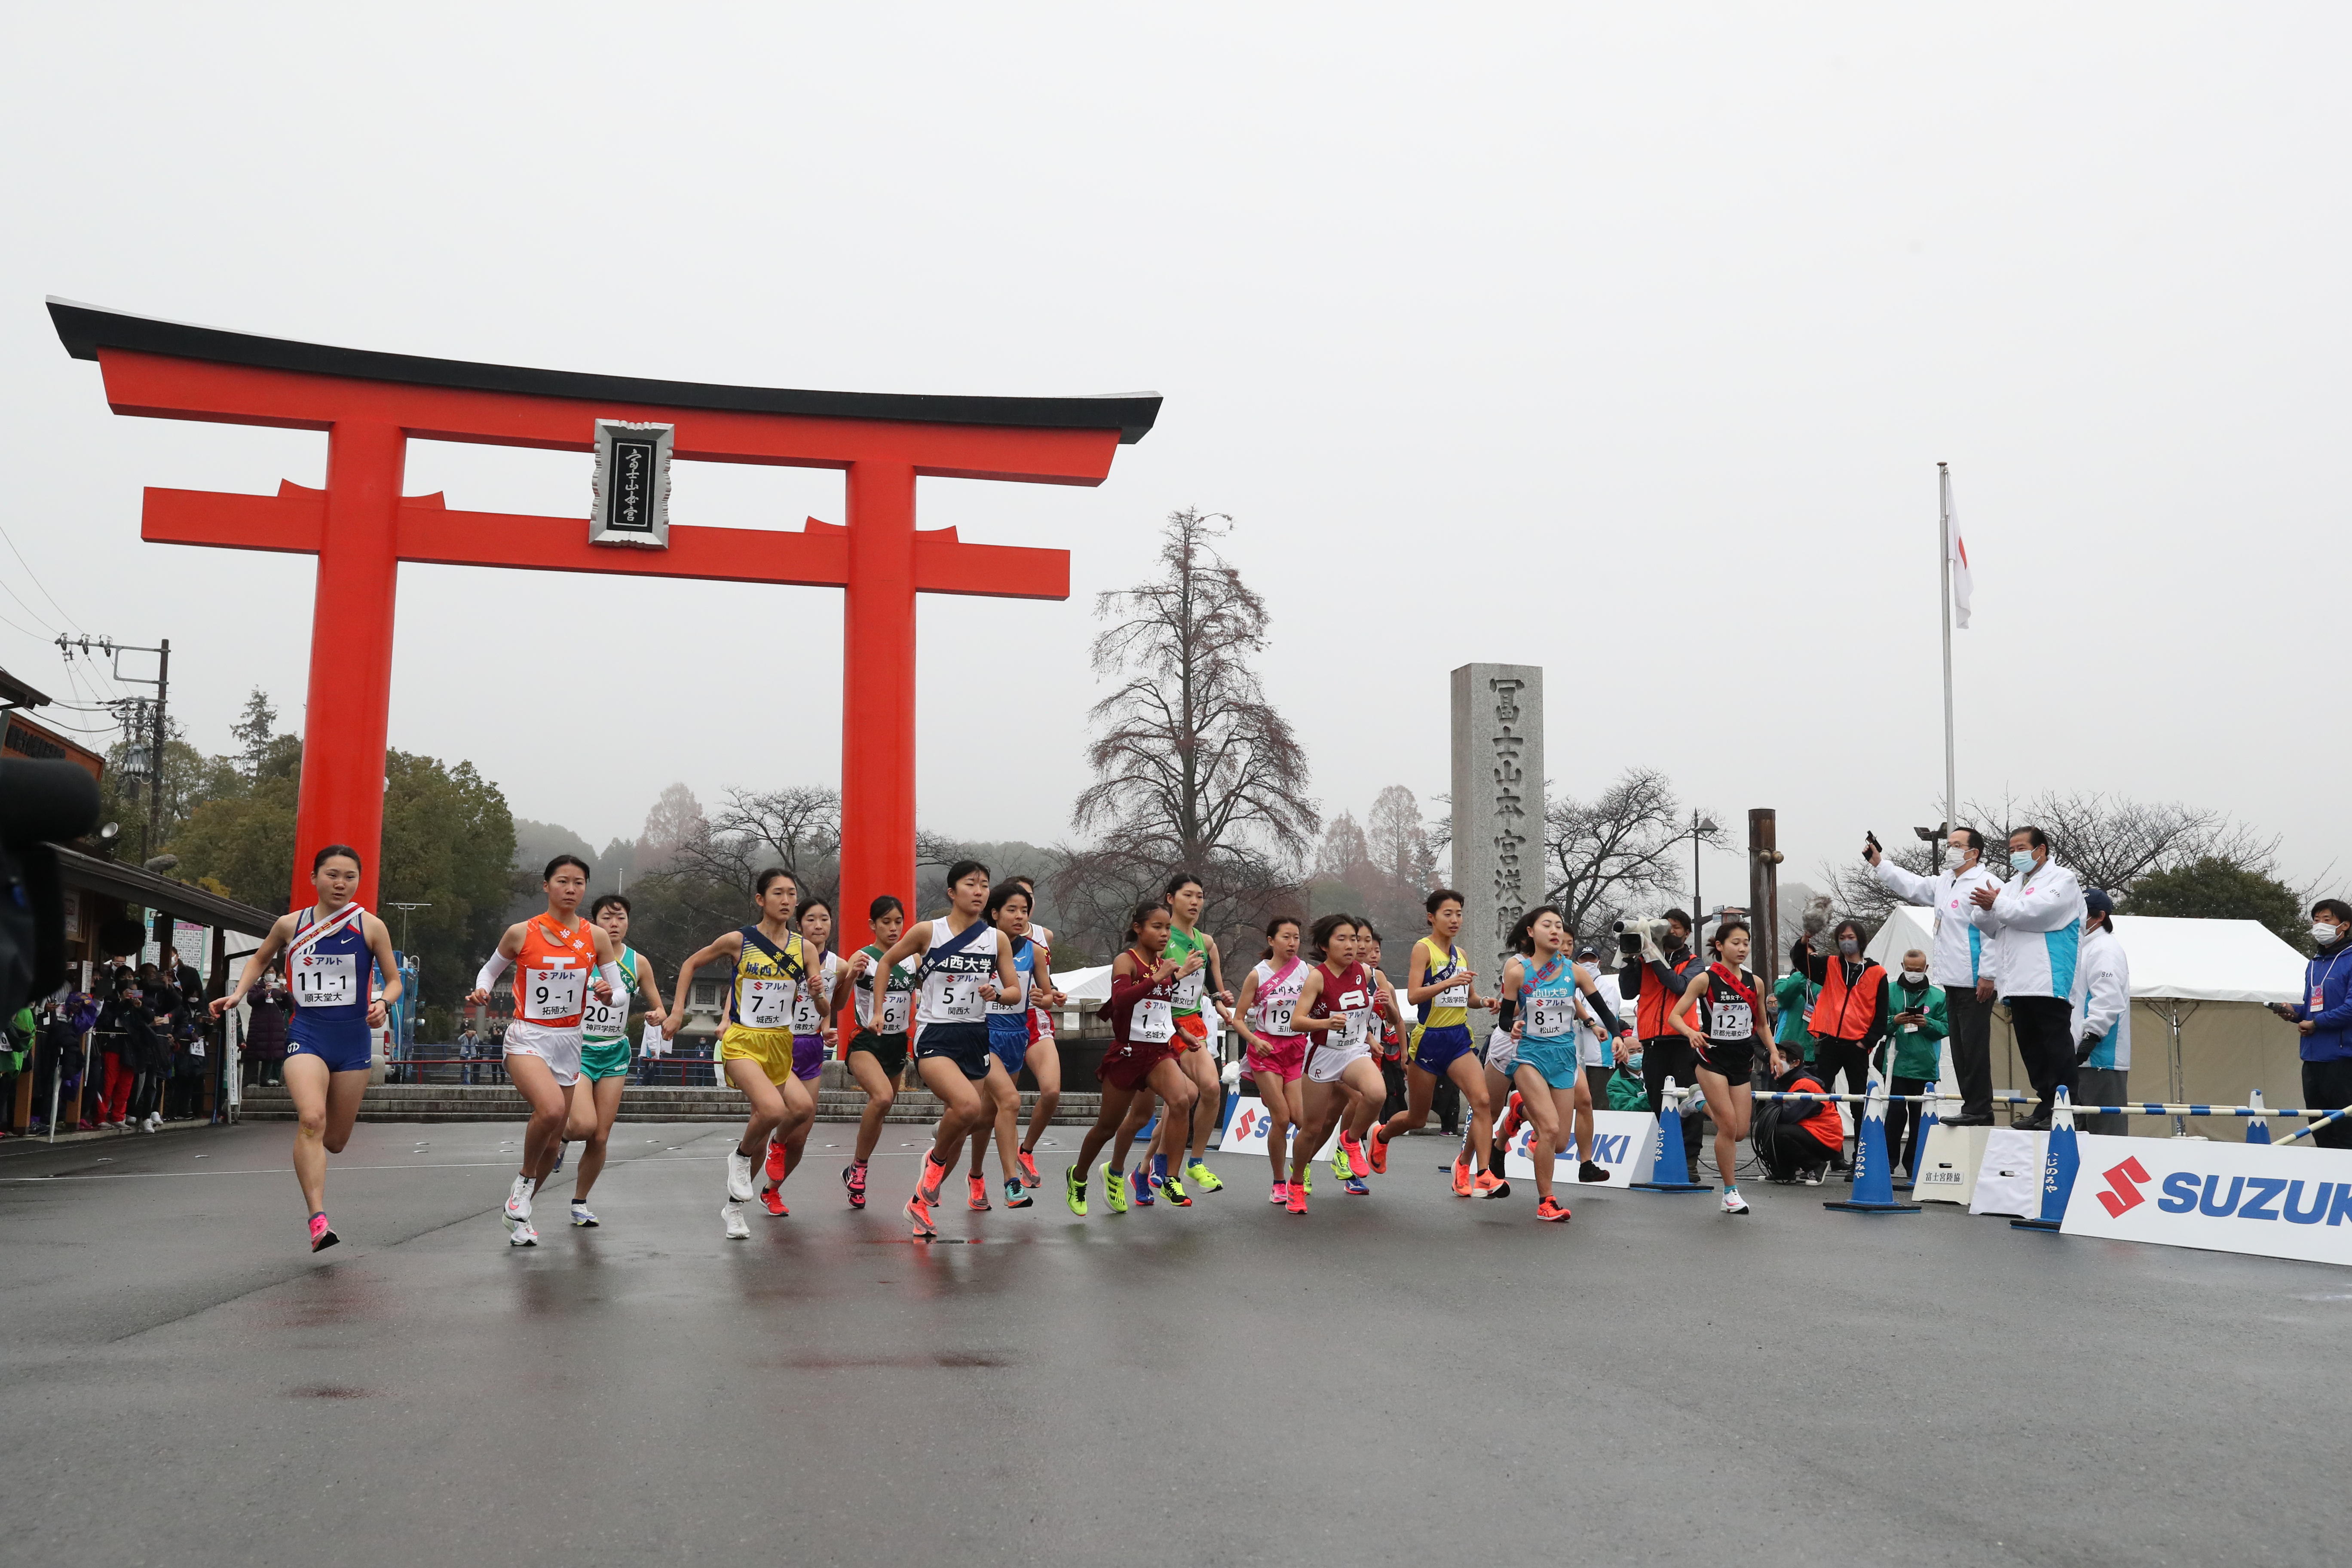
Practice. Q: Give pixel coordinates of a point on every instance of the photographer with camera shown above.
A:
(1661, 947)
(1960, 962)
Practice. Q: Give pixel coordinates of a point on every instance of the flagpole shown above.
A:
(1944, 530)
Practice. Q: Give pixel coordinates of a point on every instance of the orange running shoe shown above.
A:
(979, 1198)
(1029, 1177)
(927, 1187)
(1358, 1161)
(774, 1198)
(1490, 1185)
(1462, 1174)
(1514, 1113)
(1552, 1209)
(1296, 1203)
(775, 1160)
(1377, 1146)
(919, 1213)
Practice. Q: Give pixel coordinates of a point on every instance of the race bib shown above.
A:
(764, 1002)
(896, 1006)
(1188, 990)
(1359, 1025)
(959, 999)
(1274, 1017)
(326, 980)
(606, 1020)
(550, 993)
(808, 1018)
(1729, 1021)
(1550, 1018)
(1454, 995)
(1154, 1021)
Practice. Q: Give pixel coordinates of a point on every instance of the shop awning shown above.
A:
(113, 879)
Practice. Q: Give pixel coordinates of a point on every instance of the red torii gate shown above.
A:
(361, 526)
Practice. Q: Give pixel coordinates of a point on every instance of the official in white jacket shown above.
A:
(2035, 920)
(2102, 1018)
(1959, 961)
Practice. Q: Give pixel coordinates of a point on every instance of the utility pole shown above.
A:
(140, 716)
(1764, 888)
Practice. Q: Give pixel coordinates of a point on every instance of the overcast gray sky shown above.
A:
(1532, 333)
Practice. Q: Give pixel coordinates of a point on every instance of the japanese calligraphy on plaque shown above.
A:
(632, 485)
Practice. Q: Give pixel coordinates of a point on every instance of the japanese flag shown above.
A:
(1961, 585)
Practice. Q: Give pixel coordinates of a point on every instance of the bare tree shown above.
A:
(1607, 857)
(2112, 841)
(1395, 840)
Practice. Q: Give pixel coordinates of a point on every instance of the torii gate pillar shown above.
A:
(361, 528)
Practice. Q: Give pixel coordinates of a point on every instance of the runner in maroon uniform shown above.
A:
(1724, 1024)
(1145, 1044)
(1336, 1008)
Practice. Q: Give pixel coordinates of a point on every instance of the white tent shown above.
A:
(2208, 961)
(1908, 927)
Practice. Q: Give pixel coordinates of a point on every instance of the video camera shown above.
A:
(39, 802)
(1633, 936)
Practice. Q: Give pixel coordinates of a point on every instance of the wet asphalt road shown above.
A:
(1408, 1378)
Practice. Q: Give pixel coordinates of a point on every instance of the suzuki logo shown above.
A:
(1242, 1128)
(2122, 1195)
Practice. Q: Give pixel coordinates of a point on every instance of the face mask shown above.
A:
(1914, 981)
(2021, 861)
(1849, 948)
(1634, 1061)
(2323, 932)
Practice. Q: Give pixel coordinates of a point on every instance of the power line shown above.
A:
(44, 587)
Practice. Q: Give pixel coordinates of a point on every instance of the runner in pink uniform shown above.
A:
(1277, 1052)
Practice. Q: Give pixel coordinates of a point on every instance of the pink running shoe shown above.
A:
(322, 1235)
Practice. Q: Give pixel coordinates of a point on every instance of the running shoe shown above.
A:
(1114, 1191)
(1297, 1200)
(1307, 1186)
(1016, 1197)
(1281, 1193)
(1552, 1209)
(1462, 1174)
(1342, 1165)
(739, 1189)
(1490, 1185)
(919, 1214)
(738, 1228)
(1356, 1186)
(1514, 1113)
(1140, 1183)
(1029, 1177)
(775, 1160)
(1732, 1202)
(522, 1235)
(322, 1235)
(1378, 1148)
(1173, 1191)
(853, 1176)
(773, 1199)
(1586, 1171)
(977, 1198)
(934, 1173)
(557, 1169)
(584, 1216)
(1201, 1177)
(518, 1209)
(1074, 1192)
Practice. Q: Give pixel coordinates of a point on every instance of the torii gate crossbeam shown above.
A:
(361, 526)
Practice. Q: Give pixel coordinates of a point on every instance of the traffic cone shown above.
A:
(2058, 1167)
(1918, 1143)
(1670, 1154)
(1874, 1182)
(2258, 1127)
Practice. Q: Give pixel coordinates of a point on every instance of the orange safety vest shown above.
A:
(1653, 1003)
(1823, 1123)
(1843, 1013)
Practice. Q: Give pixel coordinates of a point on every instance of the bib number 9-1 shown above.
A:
(550, 993)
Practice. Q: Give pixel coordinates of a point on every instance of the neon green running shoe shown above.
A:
(1173, 1191)
(1201, 1177)
(1307, 1186)
(1115, 1190)
(1340, 1165)
(1075, 1191)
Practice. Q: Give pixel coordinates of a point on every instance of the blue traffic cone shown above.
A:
(1918, 1143)
(1874, 1181)
(2258, 1126)
(2058, 1167)
(1670, 1155)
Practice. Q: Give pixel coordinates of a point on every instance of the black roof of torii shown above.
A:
(86, 329)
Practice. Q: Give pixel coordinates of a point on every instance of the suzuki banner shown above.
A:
(1622, 1141)
(2276, 1200)
(1245, 1129)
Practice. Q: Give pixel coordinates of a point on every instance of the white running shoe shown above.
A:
(738, 1228)
(739, 1189)
(518, 1209)
(582, 1215)
(522, 1235)
(1732, 1202)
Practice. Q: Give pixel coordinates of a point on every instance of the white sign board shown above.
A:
(2274, 1200)
(1623, 1140)
(2009, 1177)
(1245, 1129)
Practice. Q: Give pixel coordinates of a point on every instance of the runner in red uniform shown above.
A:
(1336, 1006)
(1145, 1045)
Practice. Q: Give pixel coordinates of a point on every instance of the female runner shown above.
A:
(769, 965)
(1439, 982)
(330, 951)
(877, 1050)
(1008, 1041)
(559, 961)
(1186, 899)
(1044, 1056)
(1336, 1004)
(812, 1037)
(1551, 1090)
(964, 967)
(1276, 1053)
(1724, 1026)
(604, 1052)
(1145, 1044)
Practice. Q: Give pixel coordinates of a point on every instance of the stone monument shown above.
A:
(1498, 809)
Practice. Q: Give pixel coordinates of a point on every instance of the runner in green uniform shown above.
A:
(877, 1053)
(605, 1053)
(1200, 969)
